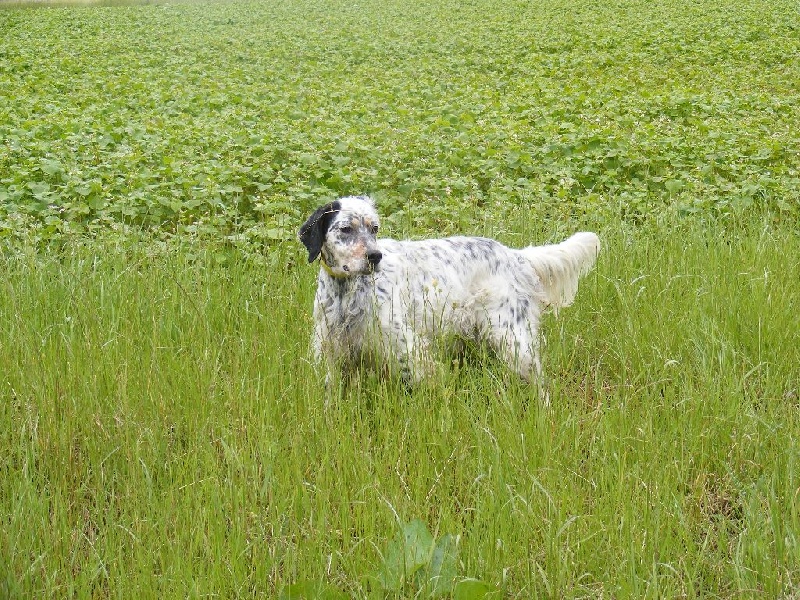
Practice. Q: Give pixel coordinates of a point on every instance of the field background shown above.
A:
(162, 432)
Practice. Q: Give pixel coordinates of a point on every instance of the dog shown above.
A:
(383, 302)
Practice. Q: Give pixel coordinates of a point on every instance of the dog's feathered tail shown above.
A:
(560, 266)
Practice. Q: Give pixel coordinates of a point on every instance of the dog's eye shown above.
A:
(346, 229)
(375, 229)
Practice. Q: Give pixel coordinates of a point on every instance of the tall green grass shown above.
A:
(162, 432)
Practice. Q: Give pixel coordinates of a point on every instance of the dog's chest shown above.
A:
(346, 306)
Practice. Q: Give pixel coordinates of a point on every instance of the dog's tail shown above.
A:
(560, 266)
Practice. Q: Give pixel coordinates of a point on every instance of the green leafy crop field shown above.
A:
(167, 113)
(162, 431)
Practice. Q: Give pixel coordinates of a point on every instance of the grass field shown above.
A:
(162, 432)
(164, 435)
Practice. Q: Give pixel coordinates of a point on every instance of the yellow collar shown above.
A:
(329, 271)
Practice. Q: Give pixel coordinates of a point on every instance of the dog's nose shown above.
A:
(374, 257)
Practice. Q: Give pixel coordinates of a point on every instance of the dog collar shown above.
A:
(329, 271)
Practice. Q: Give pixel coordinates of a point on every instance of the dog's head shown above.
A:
(343, 234)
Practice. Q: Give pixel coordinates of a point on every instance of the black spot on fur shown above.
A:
(314, 230)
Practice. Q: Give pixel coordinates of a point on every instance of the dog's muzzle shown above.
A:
(373, 258)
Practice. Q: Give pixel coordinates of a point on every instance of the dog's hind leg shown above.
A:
(517, 343)
(518, 350)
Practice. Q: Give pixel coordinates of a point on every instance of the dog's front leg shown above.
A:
(409, 352)
(326, 357)
(338, 375)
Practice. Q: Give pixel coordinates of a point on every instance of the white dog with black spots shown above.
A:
(383, 302)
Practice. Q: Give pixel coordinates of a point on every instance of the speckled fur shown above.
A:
(384, 301)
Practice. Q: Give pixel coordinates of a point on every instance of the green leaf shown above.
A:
(39, 189)
(406, 189)
(472, 589)
(673, 185)
(442, 570)
(51, 167)
(312, 590)
(83, 189)
(408, 551)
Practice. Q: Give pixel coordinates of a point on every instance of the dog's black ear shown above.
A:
(314, 230)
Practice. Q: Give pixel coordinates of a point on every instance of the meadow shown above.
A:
(162, 430)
